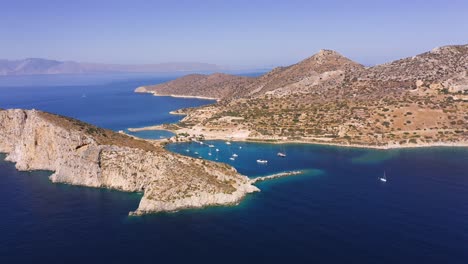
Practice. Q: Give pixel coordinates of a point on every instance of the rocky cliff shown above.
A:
(81, 154)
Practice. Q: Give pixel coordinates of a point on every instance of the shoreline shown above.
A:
(323, 143)
(388, 146)
(142, 89)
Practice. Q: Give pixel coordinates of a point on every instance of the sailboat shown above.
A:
(282, 153)
(383, 178)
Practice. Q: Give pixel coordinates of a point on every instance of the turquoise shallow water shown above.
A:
(336, 212)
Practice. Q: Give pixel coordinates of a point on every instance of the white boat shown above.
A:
(201, 143)
(209, 154)
(240, 147)
(217, 150)
(231, 158)
(235, 155)
(262, 161)
(188, 150)
(211, 146)
(228, 143)
(282, 152)
(384, 178)
(196, 153)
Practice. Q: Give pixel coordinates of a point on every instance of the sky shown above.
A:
(251, 33)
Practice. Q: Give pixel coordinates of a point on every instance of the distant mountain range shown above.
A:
(44, 66)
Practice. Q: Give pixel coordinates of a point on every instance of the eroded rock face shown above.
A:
(81, 154)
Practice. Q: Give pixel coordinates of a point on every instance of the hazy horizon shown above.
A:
(253, 34)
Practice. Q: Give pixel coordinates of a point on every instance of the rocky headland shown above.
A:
(214, 86)
(85, 155)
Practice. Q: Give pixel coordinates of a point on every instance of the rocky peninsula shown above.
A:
(81, 154)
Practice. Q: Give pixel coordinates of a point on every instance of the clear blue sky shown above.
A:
(250, 33)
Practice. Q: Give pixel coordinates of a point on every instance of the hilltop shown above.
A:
(327, 98)
(225, 86)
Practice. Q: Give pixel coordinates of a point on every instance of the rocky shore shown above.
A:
(82, 154)
(277, 175)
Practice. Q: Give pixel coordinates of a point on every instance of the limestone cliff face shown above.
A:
(81, 154)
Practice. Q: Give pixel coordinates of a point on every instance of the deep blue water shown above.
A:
(111, 104)
(337, 212)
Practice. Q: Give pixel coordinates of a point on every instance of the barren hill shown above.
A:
(421, 100)
(217, 85)
(324, 65)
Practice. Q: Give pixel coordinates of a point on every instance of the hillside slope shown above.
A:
(217, 86)
(421, 100)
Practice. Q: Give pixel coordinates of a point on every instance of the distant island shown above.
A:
(38, 66)
(330, 99)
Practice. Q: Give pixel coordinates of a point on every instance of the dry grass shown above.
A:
(102, 136)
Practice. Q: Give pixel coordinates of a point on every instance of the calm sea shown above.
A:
(336, 212)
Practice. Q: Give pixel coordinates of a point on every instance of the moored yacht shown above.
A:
(383, 178)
